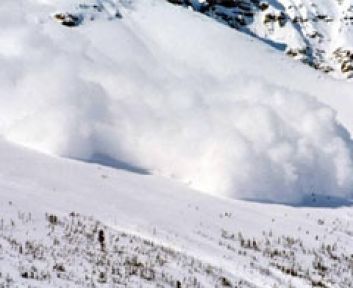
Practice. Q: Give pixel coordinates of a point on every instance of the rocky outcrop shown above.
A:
(344, 58)
(88, 12)
(318, 34)
(68, 19)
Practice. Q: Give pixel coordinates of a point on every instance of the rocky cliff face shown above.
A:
(318, 33)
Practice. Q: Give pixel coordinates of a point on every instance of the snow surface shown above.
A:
(202, 105)
(162, 91)
(219, 232)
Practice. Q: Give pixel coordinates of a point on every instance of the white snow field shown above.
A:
(178, 105)
(158, 233)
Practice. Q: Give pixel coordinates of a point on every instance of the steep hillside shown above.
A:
(318, 33)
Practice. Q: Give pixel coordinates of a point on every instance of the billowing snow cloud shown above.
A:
(127, 92)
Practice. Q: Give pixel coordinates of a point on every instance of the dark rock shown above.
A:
(67, 19)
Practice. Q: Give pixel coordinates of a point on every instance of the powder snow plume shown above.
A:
(195, 111)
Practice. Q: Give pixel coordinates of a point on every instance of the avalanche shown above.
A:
(178, 105)
(147, 92)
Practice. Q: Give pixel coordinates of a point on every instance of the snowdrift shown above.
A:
(172, 93)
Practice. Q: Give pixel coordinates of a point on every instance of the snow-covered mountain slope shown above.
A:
(318, 33)
(132, 85)
(155, 90)
(69, 224)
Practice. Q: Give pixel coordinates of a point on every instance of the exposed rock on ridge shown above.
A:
(318, 34)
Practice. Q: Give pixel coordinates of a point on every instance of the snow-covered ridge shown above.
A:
(318, 33)
(138, 98)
